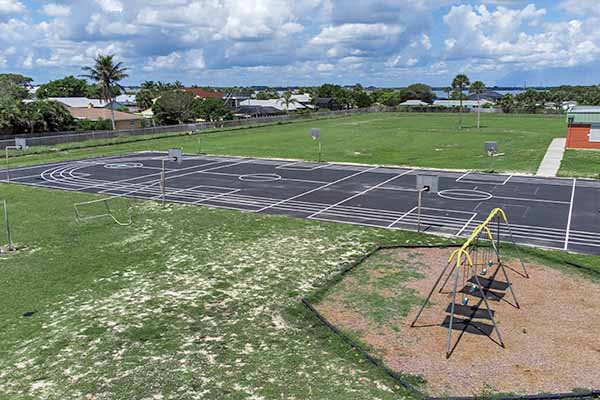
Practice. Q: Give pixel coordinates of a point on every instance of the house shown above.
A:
(204, 94)
(466, 104)
(327, 103)
(583, 127)
(127, 100)
(80, 102)
(278, 104)
(256, 111)
(234, 100)
(414, 103)
(490, 96)
(122, 120)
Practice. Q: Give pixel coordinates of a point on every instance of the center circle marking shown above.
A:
(465, 195)
(260, 178)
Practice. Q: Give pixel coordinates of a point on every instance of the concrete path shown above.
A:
(551, 162)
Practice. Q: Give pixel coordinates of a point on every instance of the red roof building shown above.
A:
(204, 94)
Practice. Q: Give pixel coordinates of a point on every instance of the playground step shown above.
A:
(470, 312)
(490, 284)
(476, 328)
(491, 295)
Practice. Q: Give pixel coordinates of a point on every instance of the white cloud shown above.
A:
(192, 60)
(56, 10)
(110, 5)
(501, 37)
(11, 7)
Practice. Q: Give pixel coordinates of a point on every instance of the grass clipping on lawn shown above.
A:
(552, 342)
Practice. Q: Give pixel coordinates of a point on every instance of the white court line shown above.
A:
(217, 196)
(402, 217)
(570, 216)
(462, 176)
(360, 194)
(288, 166)
(466, 225)
(316, 189)
(507, 179)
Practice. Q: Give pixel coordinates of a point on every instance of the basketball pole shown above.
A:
(11, 247)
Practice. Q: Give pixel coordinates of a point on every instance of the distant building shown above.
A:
(490, 95)
(278, 104)
(584, 127)
(122, 120)
(467, 104)
(256, 111)
(204, 94)
(80, 102)
(327, 103)
(414, 103)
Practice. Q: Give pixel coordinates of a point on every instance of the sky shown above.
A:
(387, 43)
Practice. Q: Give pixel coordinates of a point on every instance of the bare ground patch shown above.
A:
(552, 342)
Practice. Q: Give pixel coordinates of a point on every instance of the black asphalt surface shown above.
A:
(546, 212)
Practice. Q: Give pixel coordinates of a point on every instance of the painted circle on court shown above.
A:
(465, 195)
(260, 178)
(124, 165)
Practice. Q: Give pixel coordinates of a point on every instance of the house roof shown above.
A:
(414, 103)
(279, 104)
(257, 110)
(79, 102)
(95, 114)
(204, 94)
(456, 103)
(302, 98)
(126, 99)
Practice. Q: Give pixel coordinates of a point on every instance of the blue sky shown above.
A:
(295, 42)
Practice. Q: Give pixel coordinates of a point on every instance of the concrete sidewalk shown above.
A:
(551, 162)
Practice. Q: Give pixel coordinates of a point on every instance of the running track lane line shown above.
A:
(360, 194)
(315, 190)
(566, 247)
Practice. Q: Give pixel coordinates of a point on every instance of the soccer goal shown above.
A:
(116, 208)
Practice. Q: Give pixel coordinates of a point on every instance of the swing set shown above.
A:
(478, 274)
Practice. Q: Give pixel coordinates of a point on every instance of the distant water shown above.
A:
(442, 95)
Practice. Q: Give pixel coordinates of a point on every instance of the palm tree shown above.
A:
(448, 90)
(478, 88)
(288, 100)
(107, 75)
(460, 83)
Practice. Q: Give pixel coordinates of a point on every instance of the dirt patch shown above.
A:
(552, 341)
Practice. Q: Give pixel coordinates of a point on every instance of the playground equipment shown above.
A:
(475, 270)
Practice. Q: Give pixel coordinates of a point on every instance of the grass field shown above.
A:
(581, 163)
(188, 302)
(414, 139)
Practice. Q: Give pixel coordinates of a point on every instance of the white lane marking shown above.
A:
(360, 194)
(466, 225)
(507, 179)
(401, 217)
(462, 176)
(316, 189)
(570, 216)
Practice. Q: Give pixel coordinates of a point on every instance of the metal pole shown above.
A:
(11, 247)
(450, 325)
(163, 183)
(320, 150)
(419, 211)
(7, 165)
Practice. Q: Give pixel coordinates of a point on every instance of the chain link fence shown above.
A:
(56, 138)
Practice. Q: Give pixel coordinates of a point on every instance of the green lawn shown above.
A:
(581, 163)
(186, 303)
(414, 139)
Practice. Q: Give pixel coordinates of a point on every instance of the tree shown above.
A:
(287, 99)
(417, 91)
(507, 103)
(212, 109)
(360, 98)
(14, 85)
(448, 90)
(176, 107)
(107, 75)
(267, 94)
(460, 83)
(10, 113)
(478, 88)
(66, 87)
